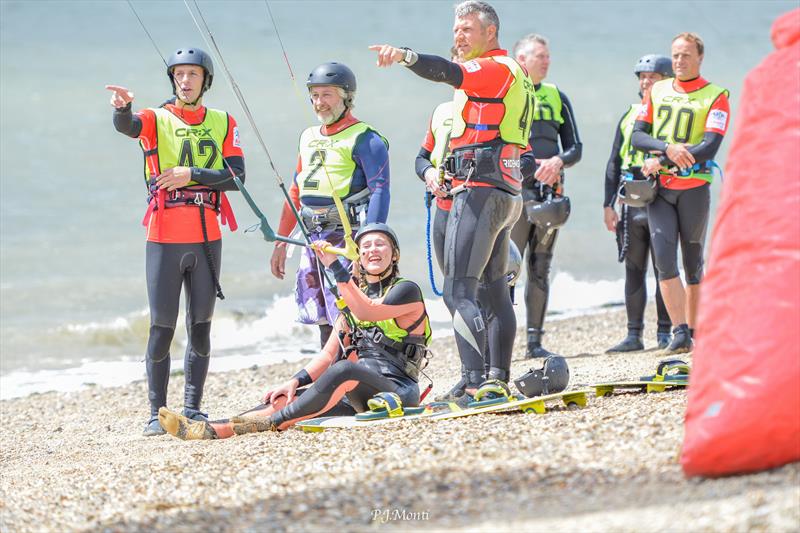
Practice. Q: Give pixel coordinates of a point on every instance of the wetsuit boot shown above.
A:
(535, 349)
(632, 343)
(681, 340)
(472, 380)
(195, 369)
(457, 391)
(157, 380)
(663, 338)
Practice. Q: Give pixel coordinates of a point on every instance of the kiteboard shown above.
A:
(445, 411)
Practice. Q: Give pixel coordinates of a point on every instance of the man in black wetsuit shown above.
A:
(191, 156)
(633, 232)
(553, 121)
(683, 119)
(493, 107)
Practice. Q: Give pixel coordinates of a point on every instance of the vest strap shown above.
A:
(482, 100)
(483, 127)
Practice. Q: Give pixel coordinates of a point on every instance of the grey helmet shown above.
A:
(514, 264)
(378, 227)
(654, 63)
(550, 211)
(336, 74)
(191, 56)
(638, 191)
(553, 377)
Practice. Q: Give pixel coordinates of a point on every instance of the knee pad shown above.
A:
(200, 338)
(158, 342)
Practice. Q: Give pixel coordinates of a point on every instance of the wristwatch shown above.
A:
(409, 57)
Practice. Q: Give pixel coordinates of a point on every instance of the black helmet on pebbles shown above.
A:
(654, 63)
(378, 227)
(553, 377)
(191, 56)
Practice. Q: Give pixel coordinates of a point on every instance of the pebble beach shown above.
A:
(77, 461)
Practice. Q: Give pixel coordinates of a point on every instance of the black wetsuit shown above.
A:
(375, 371)
(680, 214)
(168, 267)
(545, 136)
(476, 243)
(633, 237)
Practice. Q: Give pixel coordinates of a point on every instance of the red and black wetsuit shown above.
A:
(680, 211)
(477, 234)
(341, 387)
(176, 256)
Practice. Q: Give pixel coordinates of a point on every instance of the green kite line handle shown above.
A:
(266, 230)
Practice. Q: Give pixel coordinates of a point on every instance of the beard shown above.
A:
(329, 117)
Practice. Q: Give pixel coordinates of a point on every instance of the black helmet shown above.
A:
(550, 212)
(336, 74)
(637, 191)
(553, 377)
(380, 228)
(514, 264)
(654, 63)
(192, 56)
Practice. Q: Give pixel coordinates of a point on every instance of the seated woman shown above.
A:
(383, 352)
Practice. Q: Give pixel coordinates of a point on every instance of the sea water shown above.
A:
(73, 307)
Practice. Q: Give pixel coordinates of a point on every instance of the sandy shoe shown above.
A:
(251, 424)
(183, 428)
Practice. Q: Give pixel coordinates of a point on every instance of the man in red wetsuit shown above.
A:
(684, 120)
(492, 113)
(191, 155)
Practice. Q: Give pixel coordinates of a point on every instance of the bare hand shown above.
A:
(325, 258)
(651, 167)
(549, 171)
(387, 54)
(174, 178)
(121, 96)
(288, 390)
(679, 154)
(277, 262)
(610, 218)
(432, 183)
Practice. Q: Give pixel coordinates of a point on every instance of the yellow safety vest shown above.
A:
(629, 156)
(184, 145)
(515, 126)
(681, 117)
(441, 128)
(548, 103)
(390, 328)
(327, 160)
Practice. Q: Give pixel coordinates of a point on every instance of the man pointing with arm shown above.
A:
(492, 112)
